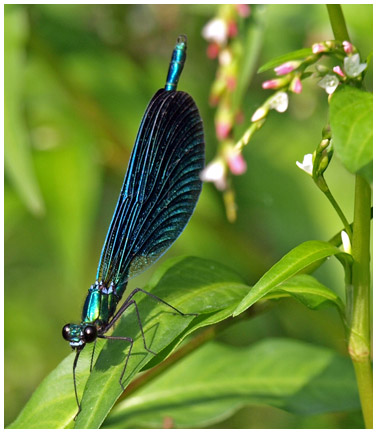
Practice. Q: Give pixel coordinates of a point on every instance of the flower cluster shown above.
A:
(222, 34)
(351, 69)
(291, 72)
(289, 79)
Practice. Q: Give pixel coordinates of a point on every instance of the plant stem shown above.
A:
(340, 213)
(359, 339)
(338, 23)
(337, 239)
(244, 140)
(359, 336)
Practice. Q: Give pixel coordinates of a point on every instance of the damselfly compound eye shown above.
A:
(90, 334)
(66, 332)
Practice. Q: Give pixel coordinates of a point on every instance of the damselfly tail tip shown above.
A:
(182, 39)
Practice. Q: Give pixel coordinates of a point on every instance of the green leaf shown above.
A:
(277, 61)
(224, 304)
(17, 152)
(307, 290)
(214, 381)
(53, 404)
(190, 284)
(292, 263)
(351, 120)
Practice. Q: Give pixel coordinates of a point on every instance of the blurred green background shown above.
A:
(77, 81)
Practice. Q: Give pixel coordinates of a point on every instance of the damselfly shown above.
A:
(158, 197)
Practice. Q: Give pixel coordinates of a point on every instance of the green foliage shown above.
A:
(216, 380)
(307, 290)
(210, 290)
(53, 404)
(18, 160)
(207, 288)
(292, 263)
(351, 117)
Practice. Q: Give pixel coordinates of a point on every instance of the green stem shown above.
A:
(338, 23)
(337, 239)
(359, 340)
(244, 140)
(359, 336)
(339, 211)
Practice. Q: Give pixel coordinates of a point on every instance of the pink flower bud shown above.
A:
(318, 48)
(348, 47)
(213, 50)
(232, 29)
(243, 10)
(237, 164)
(222, 130)
(231, 83)
(338, 71)
(271, 84)
(296, 85)
(286, 68)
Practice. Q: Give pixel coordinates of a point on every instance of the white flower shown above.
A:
(215, 31)
(225, 58)
(353, 67)
(259, 114)
(329, 83)
(307, 164)
(346, 242)
(215, 172)
(279, 102)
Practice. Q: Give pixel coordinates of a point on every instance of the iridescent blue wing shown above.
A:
(160, 189)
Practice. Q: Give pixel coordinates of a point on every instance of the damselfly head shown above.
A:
(79, 335)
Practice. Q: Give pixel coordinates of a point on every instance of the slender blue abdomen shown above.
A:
(176, 64)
